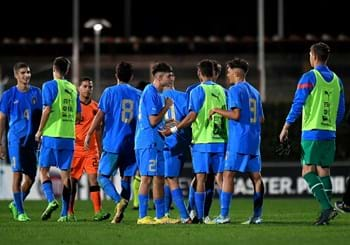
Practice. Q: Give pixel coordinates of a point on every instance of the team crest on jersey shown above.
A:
(34, 100)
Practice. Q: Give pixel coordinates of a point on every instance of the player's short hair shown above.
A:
(84, 79)
(217, 68)
(161, 67)
(321, 51)
(62, 65)
(206, 67)
(124, 71)
(238, 63)
(19, 65)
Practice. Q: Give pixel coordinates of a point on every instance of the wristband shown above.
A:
(173, 130)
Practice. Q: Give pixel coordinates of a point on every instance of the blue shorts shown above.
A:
(23, 159)
(208, 162)
(243, 163)
(173, 164)
(110, 162)
(60, 158)
(150, 162)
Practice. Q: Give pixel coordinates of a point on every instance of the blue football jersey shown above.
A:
(120, 106)
(23, 110)
(177, 112)
(244, 134)
(151, 103)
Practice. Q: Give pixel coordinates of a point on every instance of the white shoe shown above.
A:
(207, 220)
(221, 220)
(193, 214)
(253, 221)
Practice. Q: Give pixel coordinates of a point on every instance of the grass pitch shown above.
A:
(286, 221)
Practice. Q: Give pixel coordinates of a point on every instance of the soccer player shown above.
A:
(211, 177)
(86, 161)
(344, 205)
(245, 115)
(174, 149)
(320, 98)
(21, 106)
(208, 136)
(57, 133)
(149, 144)
(118, 111)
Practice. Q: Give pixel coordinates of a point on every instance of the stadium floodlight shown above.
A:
(97, 25)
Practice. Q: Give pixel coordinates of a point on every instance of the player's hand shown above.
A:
(38, 136)
(211, 113)
(168, 102)
(170, 123)
(87, 142)
(283, 135)
(165, 132)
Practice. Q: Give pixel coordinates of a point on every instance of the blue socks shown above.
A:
(160, 207)
(143, 205)
(225, 202)
(65, 200)
(179, 202)
(191, 201)
(48, 191)
(258, 202)
(199, 199)
(17, 197)
(167, 198)
(109, 188)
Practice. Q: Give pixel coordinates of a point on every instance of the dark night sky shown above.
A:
(172, 17)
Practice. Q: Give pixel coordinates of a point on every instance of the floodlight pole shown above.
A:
(261, 50)
(75, 56)
(97, 25)
(97, 32)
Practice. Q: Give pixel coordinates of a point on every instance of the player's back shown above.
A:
(248, 127)
(120, 105)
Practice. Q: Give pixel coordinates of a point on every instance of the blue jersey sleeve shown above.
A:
(234, 98)
(197, 98)
(49, 93)
(78, 104)
(304, 88)
(103, 104)
(341, 107)
(4, 103)
(154, 102)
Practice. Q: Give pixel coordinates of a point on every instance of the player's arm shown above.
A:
(43, 121)
(196, 101)
(98, 133)
(233, 114)
(187, 121)
(78, 114)
(2, 130)
(155, 119)
(341, 105)
(304, 88)
(94, 125)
